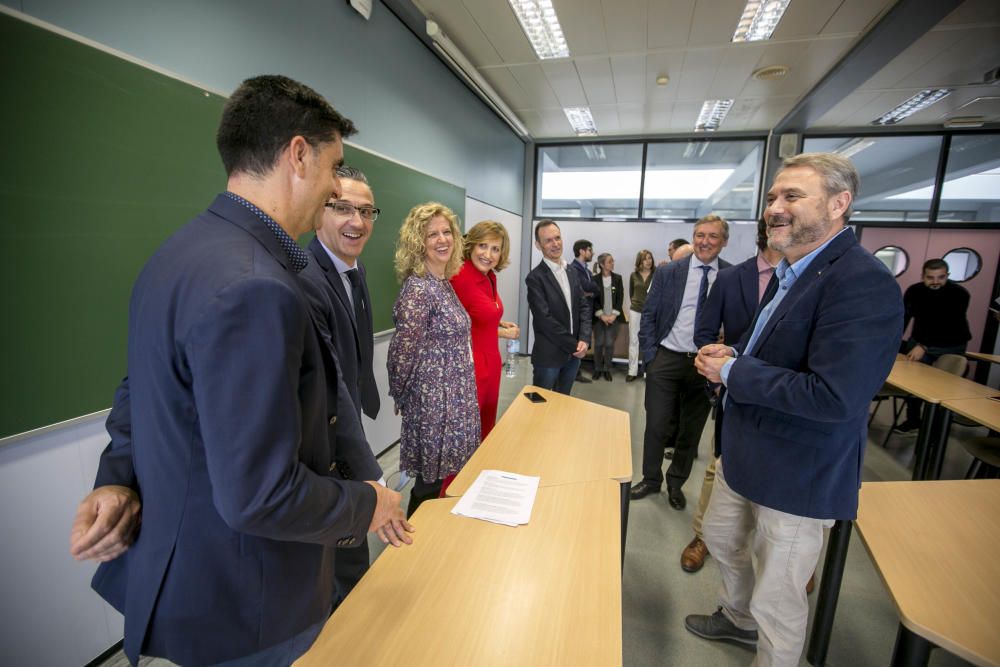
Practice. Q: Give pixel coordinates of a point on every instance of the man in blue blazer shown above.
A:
(228, 413)
(338, 287)
(676, 402)
(730, 306)
(561, 314)
(583, 252)
(798, 388)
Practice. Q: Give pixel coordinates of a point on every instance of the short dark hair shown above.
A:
(676, 243)
(935, 264)
(264, 114)
(762, 234)
(580, 245)
(352, 174)
(545, 222)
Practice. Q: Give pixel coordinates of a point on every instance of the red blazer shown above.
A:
(478, 293)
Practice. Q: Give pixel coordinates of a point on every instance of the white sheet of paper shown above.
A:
(500, 497)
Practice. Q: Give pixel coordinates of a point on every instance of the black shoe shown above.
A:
(596, 376)
(717, 626)
(581, 378)
(607, 376)
(907, 427)
(631, 378)
(643, 489)
(676, 498)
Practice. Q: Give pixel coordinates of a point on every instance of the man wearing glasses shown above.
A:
(335, 280)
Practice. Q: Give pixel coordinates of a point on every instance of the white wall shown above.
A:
(510, 280)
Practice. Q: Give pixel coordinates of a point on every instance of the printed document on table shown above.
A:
(500, 497)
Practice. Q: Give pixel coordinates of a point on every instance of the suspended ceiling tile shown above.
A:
(583, 29)
(630, 78)
(668, 23)
(565, 82)
(974, 12)
(631, 118)
(804, 18)
(685, 115)
(671, 64)
(738, 64)
(625, 25)
(914, 58)
(698, 73)
(838, 115)
(535, 85)
(508, 88)
(973, 52)
(805, 66)
(461, 28)
(598, 82)
(498, 22)
(856, 16)
(715, 21)
(605, 118)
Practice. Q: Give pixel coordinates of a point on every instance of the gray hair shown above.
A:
(838, 174)
(714, 218)
(352, 173)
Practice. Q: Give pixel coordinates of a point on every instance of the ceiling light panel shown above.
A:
(713, 112)
(581, 120)
(760, 18)
(918, 102)
(541, 25)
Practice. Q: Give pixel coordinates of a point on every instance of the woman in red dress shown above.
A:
(487, 247)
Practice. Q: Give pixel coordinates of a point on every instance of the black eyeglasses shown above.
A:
(347, 209)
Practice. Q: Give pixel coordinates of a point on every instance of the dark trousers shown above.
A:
(421, 491)
(350, 565)
(604, 345)
(556, 378)
(676, 409)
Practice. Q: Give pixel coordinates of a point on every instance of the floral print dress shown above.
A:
(432, 380)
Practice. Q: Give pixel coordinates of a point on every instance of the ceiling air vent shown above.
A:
(770, 73)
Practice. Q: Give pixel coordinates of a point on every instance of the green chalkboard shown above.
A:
(103, 160)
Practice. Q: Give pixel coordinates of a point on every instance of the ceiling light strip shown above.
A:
(713, 112)
(541, 25)
(918, 102)
(581, 120)
(760, 18)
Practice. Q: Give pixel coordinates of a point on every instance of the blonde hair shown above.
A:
(482, 232)
(411, 248)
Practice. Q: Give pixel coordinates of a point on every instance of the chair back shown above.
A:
(952, 363)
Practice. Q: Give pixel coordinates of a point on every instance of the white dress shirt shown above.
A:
(681, 336)
(559, 271)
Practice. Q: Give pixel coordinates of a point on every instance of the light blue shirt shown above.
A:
(680, 338)
(787, 275)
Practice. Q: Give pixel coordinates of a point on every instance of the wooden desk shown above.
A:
(982, 356)
(984, 411)
(564, 440)
(935, 545)
(932, 385)
(469, 592)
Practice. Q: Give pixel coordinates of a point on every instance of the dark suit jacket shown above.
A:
(795, 426)
(585, 278)
(554, 343)
(226, 404)
(730, 305)
(354, 352)
(663, 302)
(617, 296)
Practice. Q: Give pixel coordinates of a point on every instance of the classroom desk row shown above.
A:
(475, 593)
(942, 393)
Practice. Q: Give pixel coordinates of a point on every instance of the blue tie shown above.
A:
(702, 289)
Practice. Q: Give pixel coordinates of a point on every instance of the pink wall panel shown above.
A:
(923, 244)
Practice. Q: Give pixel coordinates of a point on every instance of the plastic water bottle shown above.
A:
(510, 366)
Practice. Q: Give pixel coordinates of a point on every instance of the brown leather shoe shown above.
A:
(811, 584)
(693, 556)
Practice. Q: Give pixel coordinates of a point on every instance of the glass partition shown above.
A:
(591, 181)
(971, 190)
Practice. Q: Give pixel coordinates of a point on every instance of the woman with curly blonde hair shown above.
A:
(487, 247)
(431, 376)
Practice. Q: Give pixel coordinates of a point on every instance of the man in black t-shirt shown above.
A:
(938, 308)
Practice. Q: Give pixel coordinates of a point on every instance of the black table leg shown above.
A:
(941, 445)
(829, 592)
(911, 649)
(924, 441)
(626, 487)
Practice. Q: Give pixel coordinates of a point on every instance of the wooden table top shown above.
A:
(982, 356)
(563, 440)
(469, 592)
(985, 411)
(932, 384)
(936, 546)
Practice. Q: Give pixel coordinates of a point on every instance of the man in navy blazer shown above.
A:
(225, 418)
(343, 306)
(561, 314)
(583, 252)
(730, 306)
(798, 388)
(676, 401)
